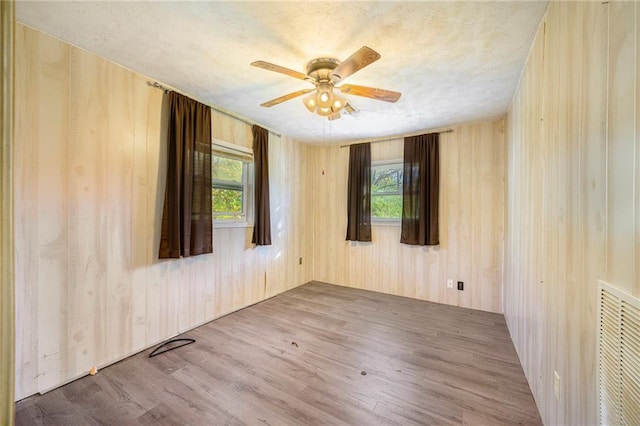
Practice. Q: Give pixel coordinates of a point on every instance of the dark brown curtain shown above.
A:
(186, 218)
(359, 193)
(420, 190)
(262, 224)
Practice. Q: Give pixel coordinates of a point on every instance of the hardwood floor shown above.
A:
(317, 354)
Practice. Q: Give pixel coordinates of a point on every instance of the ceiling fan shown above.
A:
(325, 74)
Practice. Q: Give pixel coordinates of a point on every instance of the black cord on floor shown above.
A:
(185, 342)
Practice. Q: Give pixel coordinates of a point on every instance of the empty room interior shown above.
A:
(293, 213)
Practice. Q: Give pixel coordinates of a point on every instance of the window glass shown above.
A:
(230, 187)
(386, 191)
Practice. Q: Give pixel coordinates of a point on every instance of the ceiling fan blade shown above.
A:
(371, 92)
(363, 57)
(334, 116)
(286, 97)
(282, 70)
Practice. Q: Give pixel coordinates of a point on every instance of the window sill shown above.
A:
(386, 222)
(231, 224)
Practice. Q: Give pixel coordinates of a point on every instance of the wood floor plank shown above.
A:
(317, 354)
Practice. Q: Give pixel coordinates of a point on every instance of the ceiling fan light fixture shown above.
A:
(325, 95)
(325, 102)
(338, 103)
(324, 111)
(310, 102)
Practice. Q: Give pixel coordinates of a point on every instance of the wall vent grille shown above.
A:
(618, 356)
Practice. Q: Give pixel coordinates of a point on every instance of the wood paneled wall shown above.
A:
(572, 205)
(471, 225)
(89, 178)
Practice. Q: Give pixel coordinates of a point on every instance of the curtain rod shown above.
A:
(157, 85)
(394, 138)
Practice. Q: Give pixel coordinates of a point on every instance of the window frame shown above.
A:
(390, 221)
(232, 151)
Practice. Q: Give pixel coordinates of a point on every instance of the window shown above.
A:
(386, 191)
(232, 171)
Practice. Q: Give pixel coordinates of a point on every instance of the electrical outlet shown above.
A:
(460, 285)
(556, 384)
(449, 283)
(300, 261)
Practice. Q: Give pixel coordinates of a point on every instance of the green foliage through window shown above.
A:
(227, 169)
(227, 203)
(386, 191)
(229, 179)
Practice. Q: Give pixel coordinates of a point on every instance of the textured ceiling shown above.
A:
(454, 62)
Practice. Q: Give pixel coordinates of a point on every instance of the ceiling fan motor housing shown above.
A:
(320, 69)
